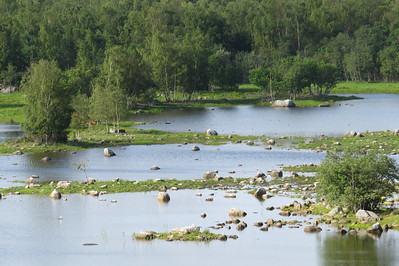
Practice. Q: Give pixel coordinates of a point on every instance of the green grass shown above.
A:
(351, 87)
(380, 141)
(11, 107)
(97, 136)
(121, 186)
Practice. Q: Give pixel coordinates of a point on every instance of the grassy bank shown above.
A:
(120, 186)
(98, 136)
(11, 107)
(351, 87)
(381, 141)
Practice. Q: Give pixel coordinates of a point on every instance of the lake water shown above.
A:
(32, 232)
(134, 162)
(374, 112)
(9, 131)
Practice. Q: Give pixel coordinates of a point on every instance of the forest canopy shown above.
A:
(137, 49)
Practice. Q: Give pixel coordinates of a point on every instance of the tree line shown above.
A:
(121, 52)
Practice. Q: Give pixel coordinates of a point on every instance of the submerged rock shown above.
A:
(195, 148)
(312, 229)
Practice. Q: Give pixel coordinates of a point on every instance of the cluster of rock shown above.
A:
(353, 134)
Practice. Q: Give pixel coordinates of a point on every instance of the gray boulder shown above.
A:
(367, 216)
(186, 230)
(283, 103)
(63, 184)
(375, 229)
(335, 211)
(146, 235)
(211, 132)
(195, 148)
(276, 173)
(210, 175)
(108, 152)
(163, 197)
(55, 194)
(260, 192)
(236, 213)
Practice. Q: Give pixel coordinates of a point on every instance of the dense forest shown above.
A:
(140, 48)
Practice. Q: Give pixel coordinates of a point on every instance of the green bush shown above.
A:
(357, 181)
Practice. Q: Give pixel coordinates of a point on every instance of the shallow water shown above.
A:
(9, 131)
(134, 162)
(34, 235)
(374, 112)
(31, 232)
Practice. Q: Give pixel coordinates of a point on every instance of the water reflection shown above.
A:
(9, 131)
(360, 249)
(34, 234)
(359, 115)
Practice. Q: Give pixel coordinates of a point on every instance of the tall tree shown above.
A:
(47, 112)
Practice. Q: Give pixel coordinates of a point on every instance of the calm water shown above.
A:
(134, 162)
(374, 112)
(31, 232)
(34, 235)
(9, 131)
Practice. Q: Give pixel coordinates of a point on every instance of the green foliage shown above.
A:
(356, 181)
(47, 113)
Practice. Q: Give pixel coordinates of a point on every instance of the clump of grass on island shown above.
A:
(98, 136)
(121, 186)
(206, 235)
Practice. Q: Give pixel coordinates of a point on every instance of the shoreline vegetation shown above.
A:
(386, 142)
(12, 104)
